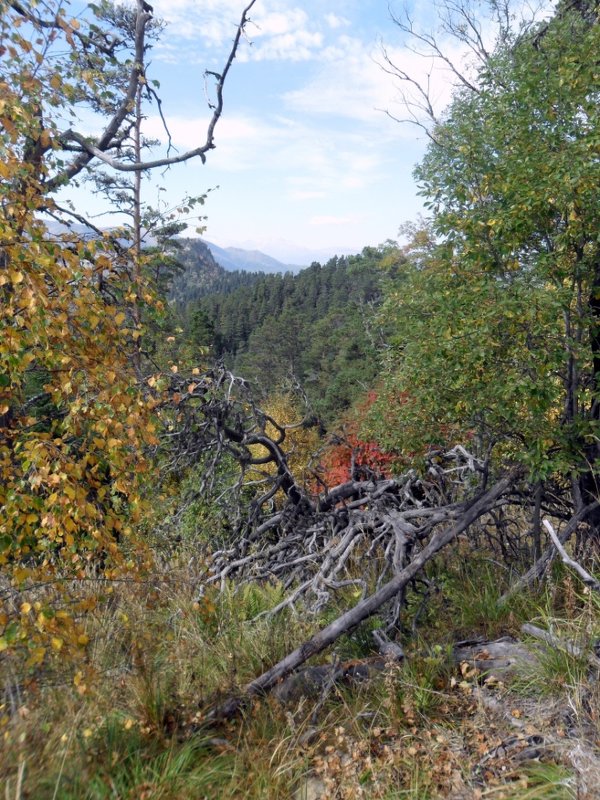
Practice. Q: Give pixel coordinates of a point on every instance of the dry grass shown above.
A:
(128, 721)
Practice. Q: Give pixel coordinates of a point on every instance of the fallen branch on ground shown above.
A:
(369, 606)
(559, 644)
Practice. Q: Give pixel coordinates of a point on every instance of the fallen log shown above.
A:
(311, 681)
(500, 658)
(370, 605)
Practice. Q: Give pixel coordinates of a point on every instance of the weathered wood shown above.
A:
(311, 682)
(366, 608)
(585, 576)
(472, 511)
(313, 548)
(391, 651)
(537, 570)
(498, 658)
(560, 644)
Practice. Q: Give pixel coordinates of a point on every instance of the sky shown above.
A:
(307, 163)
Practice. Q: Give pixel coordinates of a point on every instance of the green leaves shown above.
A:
(494, 333)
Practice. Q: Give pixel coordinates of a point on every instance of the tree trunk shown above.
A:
(589, 484)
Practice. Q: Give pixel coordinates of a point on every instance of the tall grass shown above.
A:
(130, 720)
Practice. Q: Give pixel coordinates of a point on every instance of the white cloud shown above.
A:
(335, 22)
(211, 22)
(283, 33)
(241, 141)
(278, 23)
(300, 45)
(320, 165)
(278, 30)
(349, 84)
(310, 163)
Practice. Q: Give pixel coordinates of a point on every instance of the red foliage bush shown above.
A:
(351, 458)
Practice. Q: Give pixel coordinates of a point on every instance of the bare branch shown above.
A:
(460, 22)
(585, 576)
(99, 148)
(537, 570)
(432, 48)
(569, 647)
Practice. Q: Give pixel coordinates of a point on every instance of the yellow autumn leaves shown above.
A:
(301, 441)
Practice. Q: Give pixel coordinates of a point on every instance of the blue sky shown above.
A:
(306, 156)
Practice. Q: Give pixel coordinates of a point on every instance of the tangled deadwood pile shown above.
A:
(358, 534)
(367, 540)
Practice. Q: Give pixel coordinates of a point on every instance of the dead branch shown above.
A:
(585, 576)
(458, 47)
(375, 537)
(559, 644)
(538, 569)
(391, 651)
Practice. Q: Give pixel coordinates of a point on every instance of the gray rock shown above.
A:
(312, 788)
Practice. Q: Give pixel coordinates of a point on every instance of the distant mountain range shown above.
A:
(288, 253)
(236, 258)
(202, 275)
(288, 257)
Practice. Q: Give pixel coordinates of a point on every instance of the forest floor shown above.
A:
(130, 720)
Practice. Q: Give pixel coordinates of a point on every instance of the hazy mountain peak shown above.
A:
(238, 258)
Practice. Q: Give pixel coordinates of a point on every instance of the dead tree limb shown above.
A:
(559, 644)
(366, 608)
(585, 576)
(538, 569)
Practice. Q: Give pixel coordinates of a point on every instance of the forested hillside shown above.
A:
(317, 329)
(199, 274)
(326, 535)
